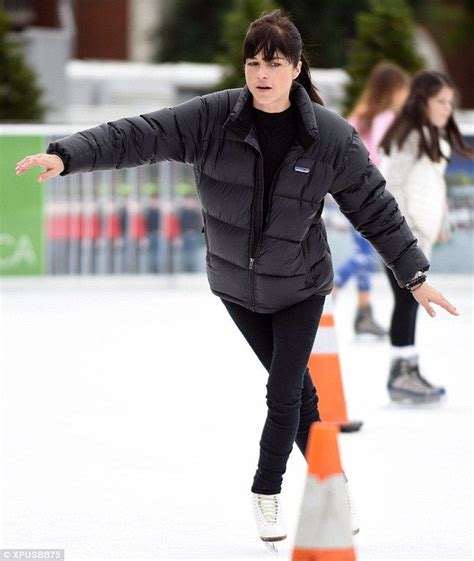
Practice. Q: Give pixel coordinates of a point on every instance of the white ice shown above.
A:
(132, 410)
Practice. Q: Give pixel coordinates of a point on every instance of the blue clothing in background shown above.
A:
(361, 264)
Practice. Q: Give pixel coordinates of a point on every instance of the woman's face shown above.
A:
(269, 82)
(440, 106)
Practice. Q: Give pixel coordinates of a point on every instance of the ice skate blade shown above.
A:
(369, 338)
(403, 398)
(271, 547)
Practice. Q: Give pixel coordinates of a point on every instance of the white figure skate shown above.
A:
(268, 516)
(354, 519)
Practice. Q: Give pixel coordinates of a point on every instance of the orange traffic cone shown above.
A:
(324, 531)
(325, 370)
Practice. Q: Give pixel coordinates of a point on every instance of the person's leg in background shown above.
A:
(361, 264)
(364, 322)
(189, 251)
(405, 382)
(153, 253)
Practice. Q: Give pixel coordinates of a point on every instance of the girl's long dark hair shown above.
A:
(274, 31)
(414, 116)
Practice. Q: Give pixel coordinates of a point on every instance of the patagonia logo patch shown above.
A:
(302, 169)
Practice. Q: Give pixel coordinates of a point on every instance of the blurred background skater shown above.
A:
(417, 148)
(153, 228)
(386, 90)
(190, 221)
(171, 237)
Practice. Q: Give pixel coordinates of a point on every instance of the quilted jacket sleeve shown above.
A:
(171, 133)
(359, 190)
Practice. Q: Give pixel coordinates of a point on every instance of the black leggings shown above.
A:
(283, 342)
(403, 323)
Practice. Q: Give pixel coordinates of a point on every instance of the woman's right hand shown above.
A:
(53, 164)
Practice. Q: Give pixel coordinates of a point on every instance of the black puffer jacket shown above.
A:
(289, 260)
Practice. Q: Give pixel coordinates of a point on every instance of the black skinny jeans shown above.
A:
(283, 342)
(403, 322)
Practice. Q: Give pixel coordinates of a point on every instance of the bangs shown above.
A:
(268, 38)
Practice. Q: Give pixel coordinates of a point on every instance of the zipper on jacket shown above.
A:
(256, 228)
(269, 196)
(256, 225)
(285, 160)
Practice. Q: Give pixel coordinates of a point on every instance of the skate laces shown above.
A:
(353, 518)
(268, 507)
(350, 500)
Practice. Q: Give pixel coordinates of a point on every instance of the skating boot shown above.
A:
(268, 516)
(354, 519)
(416, 372)
(365, 324)
(406, 384)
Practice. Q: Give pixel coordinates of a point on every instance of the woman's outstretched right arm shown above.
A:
(172, 133)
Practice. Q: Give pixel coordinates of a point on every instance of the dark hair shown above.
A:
(385, 79)
(274, 31)
(414, 116)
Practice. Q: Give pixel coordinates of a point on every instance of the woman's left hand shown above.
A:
(424, 294)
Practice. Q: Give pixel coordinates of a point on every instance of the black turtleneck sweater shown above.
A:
(275, 133)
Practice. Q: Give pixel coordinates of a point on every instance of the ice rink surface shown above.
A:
(132, 409)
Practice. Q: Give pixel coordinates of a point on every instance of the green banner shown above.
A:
(21, 209)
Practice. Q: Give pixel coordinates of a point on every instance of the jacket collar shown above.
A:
(240, 118)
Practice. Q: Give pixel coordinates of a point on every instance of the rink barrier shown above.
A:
(325, 369)
(117, 221)
(324, 528)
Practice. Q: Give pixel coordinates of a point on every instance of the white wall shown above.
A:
(145, 15)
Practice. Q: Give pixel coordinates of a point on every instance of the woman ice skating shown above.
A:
(417, 148)
(265, 156)
(385, 92)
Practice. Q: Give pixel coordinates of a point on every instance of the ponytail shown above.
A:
(304, 78)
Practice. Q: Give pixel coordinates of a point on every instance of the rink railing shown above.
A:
(132, 221)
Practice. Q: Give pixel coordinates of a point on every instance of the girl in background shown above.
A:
(417, 148)
(384, 94)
